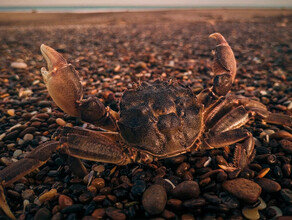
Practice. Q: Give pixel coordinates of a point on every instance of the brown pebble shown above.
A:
(60, 122)
(174, 203)
(48, 195)
(286, 145)
(65, 201)
(168, 214)
(99, 198)
(187, 217)
(99, 183)
(243, 189)
(43, 214)
(98, 213)
(29, 130)
(263, 172)
(115, 214)
(186, 190)
(281, 135)
(268, 185)
(154, 199)
(11, 112)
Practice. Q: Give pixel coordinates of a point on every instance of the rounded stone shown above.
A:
(243, 189)
(65, 201)
(28, 137)
(17, 153)
(186, 190)
(154, 199)
(268, 185)
(287, 195)
(43, 214)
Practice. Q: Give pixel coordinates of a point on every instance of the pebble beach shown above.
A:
(114, 52)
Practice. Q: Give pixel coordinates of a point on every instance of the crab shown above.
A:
(156, 120)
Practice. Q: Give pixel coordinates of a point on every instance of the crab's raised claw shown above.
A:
(62, 81)
(224, 65)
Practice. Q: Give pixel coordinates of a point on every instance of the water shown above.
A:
(88, 9)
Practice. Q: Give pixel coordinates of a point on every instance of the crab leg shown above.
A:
(93, 146)
(15, 171)
(65, 88)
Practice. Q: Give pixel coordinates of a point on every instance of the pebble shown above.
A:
(60, 122)
(251, 213)
(286, 145)
(17, 153)
(27, 137)
(193, 203)
(75, 208)
(65, 201)
(11, 112)
(262, 204)
(186, 190)
(115, 214)
(154, 199)
(287, 195)
(98, 213)
(27, 194)
(48, 195)
(243, 189)
(268, 185)
(43, 214)
(99, 183)
(18, 65)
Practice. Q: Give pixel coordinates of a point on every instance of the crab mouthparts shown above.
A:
(54, 59)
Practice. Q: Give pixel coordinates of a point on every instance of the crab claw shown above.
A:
(62, 81)
(224, 60)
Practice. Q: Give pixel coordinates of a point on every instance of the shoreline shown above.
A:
(25, 19)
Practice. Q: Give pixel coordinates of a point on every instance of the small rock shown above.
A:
(65, 201)
(75, 208)
(287, 195)
(268, 185)
(251, 213)
(27, 194)
(11, 112)
(43, 214)
(186, 190)
(115, 214)
(262, 205)
(154, 199)
(18, 65)
(98, 213)
(286, 145)
(17, 153)
(27, 137)
(85, 197)
(48, 195)
(60, 122)
(98, 183)
(243, 189)
(193, 203)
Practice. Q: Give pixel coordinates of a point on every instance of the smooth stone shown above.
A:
(251, 214)
(28, 137)
(27, 194)
(154, 199)
(268, 185)
(43, 214)
(17, 153)
(98, 213)
(11, 112)
(262, 205)
(186, 190)
(287, 195)
(243, 189)
(18, 65)
(75, 208)
(60, 122)
(115, 214)
(99, 183)
(65, 201)
(47, 196)
(193, 203)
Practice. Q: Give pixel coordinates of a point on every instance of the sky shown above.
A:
(234, 3)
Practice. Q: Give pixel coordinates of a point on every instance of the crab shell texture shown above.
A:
(163, 119)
